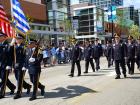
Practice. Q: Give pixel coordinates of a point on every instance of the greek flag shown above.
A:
(19, 19)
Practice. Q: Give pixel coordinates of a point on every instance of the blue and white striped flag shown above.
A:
(19, 18)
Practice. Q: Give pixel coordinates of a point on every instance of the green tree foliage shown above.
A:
(134, 31)
(68, 25)
(121, 20)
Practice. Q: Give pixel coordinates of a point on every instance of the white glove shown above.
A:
(23, 68)
(13, 42)
(8, 68)
(32, 60)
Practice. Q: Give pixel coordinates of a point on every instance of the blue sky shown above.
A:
(136, 3)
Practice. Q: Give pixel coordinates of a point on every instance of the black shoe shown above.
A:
(131, 73)
(86, 72)
(1, 96)
(125, 75)
(43, 91)
(71, 75)
(32, 98)
(28, 90)
(45, 66)
(117, 77)
(79, 75)
(17, 96)
(12, 92)
(94, 70)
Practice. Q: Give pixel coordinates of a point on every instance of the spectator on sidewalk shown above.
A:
(46, 56)
(53, 55)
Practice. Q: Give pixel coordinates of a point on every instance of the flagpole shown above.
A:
(15, 31)
(11, 9)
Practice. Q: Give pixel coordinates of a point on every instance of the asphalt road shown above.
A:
(98, 88)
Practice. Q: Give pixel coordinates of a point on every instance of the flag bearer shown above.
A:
(5, 67)
(19, 56)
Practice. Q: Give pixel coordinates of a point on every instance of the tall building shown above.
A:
(103, 3)
(139, 17)
(91, 20)
(132, 14)
(58, 13)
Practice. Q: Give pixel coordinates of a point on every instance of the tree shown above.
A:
(67, 24)
(134, 31)
(122, 19)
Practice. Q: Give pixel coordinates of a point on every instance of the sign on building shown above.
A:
(75, 22)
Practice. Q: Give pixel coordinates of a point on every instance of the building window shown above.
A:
(91, 10)
(85, 11)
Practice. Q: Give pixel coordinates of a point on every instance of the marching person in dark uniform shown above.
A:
(120, 51)
(5, 67)
(88, 57)
(33, 59)
(109, 52)
(76, 58)
(19, 55)
(97, 48)
(138, 53)
(131, 55)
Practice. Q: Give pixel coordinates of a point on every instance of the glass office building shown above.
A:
(90, 21)
(103, 3)
(132, 14)
(58, 11)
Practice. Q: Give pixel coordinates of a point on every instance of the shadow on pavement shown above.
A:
(69, 92)
(23, 95)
